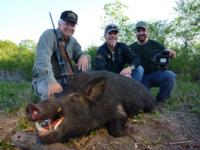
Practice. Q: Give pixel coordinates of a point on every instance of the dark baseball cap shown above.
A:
(141, 24)
(111, 27)
(69, 15)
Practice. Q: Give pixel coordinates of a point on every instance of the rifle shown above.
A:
(63, 55)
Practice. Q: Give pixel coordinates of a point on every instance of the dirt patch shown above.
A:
(169, 129)
(7, 126)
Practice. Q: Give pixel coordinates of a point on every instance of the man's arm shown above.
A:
(84, 62)
(82, 59)
(42, 66)
(172, 53)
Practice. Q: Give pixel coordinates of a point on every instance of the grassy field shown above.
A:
(15, 95)
(185, 94)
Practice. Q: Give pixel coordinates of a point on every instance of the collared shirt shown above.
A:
(46, 62)
(115, 62)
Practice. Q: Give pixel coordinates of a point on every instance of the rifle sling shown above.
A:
(66, 58)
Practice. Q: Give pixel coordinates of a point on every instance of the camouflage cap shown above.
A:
(141, 24)
(111, 27)
(69, 15)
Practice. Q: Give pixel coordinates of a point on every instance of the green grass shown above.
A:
(6, 146)
(14, 95)
(185, 94)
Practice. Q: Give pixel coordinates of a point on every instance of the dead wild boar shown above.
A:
(93, 100)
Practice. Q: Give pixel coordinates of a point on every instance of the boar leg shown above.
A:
(116, 127)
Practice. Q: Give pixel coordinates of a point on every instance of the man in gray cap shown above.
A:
(114, 55)
(47, 72)
(150, 52)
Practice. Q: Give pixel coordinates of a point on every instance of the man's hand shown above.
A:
(126, 72)
(83, 63)
(53, 89)
(172, 53)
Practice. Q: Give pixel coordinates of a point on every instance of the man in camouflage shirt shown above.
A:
(47, 72)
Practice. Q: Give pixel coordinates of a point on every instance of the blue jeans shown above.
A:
(165, 80)
(138, 73)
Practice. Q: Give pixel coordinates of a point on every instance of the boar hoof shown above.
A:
(116, 128)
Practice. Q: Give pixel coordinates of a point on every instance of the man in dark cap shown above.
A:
(47, 73)
(155, 75)
(117, 57)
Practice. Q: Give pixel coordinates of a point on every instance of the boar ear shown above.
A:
(95, 88)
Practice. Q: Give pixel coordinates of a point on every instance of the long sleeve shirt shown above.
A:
(46, 64)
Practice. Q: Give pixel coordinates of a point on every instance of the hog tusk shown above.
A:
(38, 126)
(58, 123)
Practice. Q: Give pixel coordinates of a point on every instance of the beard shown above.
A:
(142, 38)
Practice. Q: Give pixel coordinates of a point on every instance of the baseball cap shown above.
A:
(141, 24)
(111, 27)
(69, 15)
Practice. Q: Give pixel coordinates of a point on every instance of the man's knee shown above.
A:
(41, 89)
(169, 77)
(138, 73)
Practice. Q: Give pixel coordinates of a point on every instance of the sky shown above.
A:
(28, 19)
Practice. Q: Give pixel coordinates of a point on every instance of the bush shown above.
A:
(15, 95)
(92, 52)
(14, 58)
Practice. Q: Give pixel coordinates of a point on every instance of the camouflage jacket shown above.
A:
(46, 65)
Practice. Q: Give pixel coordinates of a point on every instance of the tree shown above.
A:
(114, 13)
(158, 31)
(187, 25)
(7, 48)
(92, 52)
(185, 34)
(27, 44)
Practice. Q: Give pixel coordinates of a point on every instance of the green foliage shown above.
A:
(114, 13)
(14, 57)
(6, 146)
(185, 30)
(158, 30)
(27, 45)
(92, 52)
(186, 94)
(188, 20)
(14, 95)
